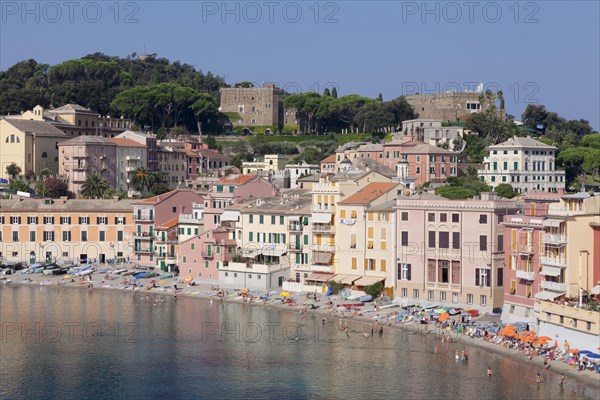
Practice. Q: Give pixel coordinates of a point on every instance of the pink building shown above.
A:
(202, 256)
(83, 156)
(328, 165)
(154, 212)
(523, 245)
(450, 252)
(427, 163)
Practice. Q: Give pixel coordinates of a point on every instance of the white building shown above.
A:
(524, 163)
(295, 171)
(131, 155)
(432, 132)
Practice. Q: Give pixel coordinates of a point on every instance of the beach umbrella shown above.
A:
(440, 311)
(545, 338)
(188, 279)
(243, 291)
(285, 294)
(573, 351)
(592, 355)
(444, 317)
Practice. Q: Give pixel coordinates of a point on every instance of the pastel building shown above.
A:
(432, 131)
(365, 240)
(524, 163)
(204, 255)
(451, 252)
(329, 165)
(130, 155)
(148, 214)
(37, 230)
(84, 156)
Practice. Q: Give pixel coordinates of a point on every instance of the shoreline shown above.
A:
(206, 292)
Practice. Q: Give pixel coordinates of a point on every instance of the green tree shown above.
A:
(20, 185)
(13, 170)
(505, 190)
(204, 106)
(143, 179)
(94, 187)
(244, 84)
(455, 193)
(326, 92)
(591, 140)
(573, 159)
(52, 187)
(334, 93)
(374, 289)
(380, 97)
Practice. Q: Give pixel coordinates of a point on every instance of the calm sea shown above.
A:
(71, 344)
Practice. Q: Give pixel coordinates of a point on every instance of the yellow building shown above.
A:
(271, 162)
(35, 230)
(32, 145)
(365, 239)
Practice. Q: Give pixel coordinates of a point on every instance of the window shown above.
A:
(431, 217)
(444, 240)
(15, 220)
(404, 238)
(383, 265)
(48, 220)
(443, 296)
(84, 220)
(482, 277)
(404, 271)
(456, 240)
(469, 299)
(48, 236)
(65, 220)
(444, 271)
(184, 259)
(32, 220)
(15, 236)
(455, 297)
(32, 236)
(430, 295)
(101, 236)
(482, 219)
(455, 218)
(261, 219)
(500, 278)
(483, 300)
(251, 218)
(354, 262)
(415, 293)
(272, 220)
(120, 236)
(431, 242)
(84, 236)
(281, 220)
(404, 216)
(500, 246)
(482, 243)
(66, 236)
(443, 217)
(102, 220)
(404, 292)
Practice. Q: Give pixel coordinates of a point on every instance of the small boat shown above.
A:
(5, 280)
(166, 276)
(366, 298)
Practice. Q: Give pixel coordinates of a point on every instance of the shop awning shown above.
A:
(316, 277)
(555, 223)
(321, 257)
(273, 251)
(547, 295)
(349, 280)
(368, 280)
(338, 277)
(294, 218)
(550, 271)
(229, 215)
(321, 218)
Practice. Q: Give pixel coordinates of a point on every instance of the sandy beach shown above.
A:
(357, 324)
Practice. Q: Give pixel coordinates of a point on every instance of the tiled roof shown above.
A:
(125, 142)
(369, 193)
(210, 153)
(160, 198)
(329, 159)
(168, 225)
(80, 140)
(518, 141)
(71, 108)
(38, 128)
(72, 205)
(236, 179)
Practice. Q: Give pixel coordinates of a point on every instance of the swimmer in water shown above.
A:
(489, 371)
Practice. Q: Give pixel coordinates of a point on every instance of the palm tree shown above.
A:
(94, 187)
(143, 178)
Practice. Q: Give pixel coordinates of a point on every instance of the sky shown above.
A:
(536, 52)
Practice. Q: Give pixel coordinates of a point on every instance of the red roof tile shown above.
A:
(369, 193)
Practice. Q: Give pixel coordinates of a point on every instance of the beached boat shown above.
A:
(5, 280)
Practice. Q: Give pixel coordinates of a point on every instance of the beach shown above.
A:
(358, 323)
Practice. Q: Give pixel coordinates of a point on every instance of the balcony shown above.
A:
(295, 227)
(321, 268)
(165, 255)
(555, 286)
(322, 228)
(143, 218)
(526, 249)
(325, 209)
(142, 236)
(554, 261)
(133, 158)
(295, 247)
(549, 238)
(130, 168)
(148, 250)
(526, 275)
(79, 167)
(330, 248)
(210, 255)
(189, 219)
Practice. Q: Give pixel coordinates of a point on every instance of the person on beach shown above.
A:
(538, 378)
(323, 321)
(562, 379)
(489, 371)
(436, 350)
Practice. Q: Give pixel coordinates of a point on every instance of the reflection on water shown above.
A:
(67, 343)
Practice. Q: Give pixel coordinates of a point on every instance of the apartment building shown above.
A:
(130, 155)
(433, 132)
(295, 171)
(366, 238)
(451, 251)
(524, 163)
(158, 211)
(329, 165)
(172, 163)
(145, 139)
(38, 230)
(85, 156)
(205, 255)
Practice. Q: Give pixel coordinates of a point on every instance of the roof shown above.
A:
(371, 147)
(211, 153)
(329, 159)
(37, 128)
(72, 205)
(168, 225)
(518, 141)
(577, 196)
(295, 201)
(121, 142)
(369, 193)
(387, 206)
(160, 198)
(237, 179)
(81, 140)
(71, 108)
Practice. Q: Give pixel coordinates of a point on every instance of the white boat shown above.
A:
(5, 280)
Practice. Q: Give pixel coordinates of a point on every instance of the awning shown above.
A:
(321, 218)
(294, 218)
(230, 215)
(316, 277)
(273, 252)
(550, 271)
(350, 279)
(547, 295)
(338, 277)
(555, 223)
(368, 280)
(321, 257)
